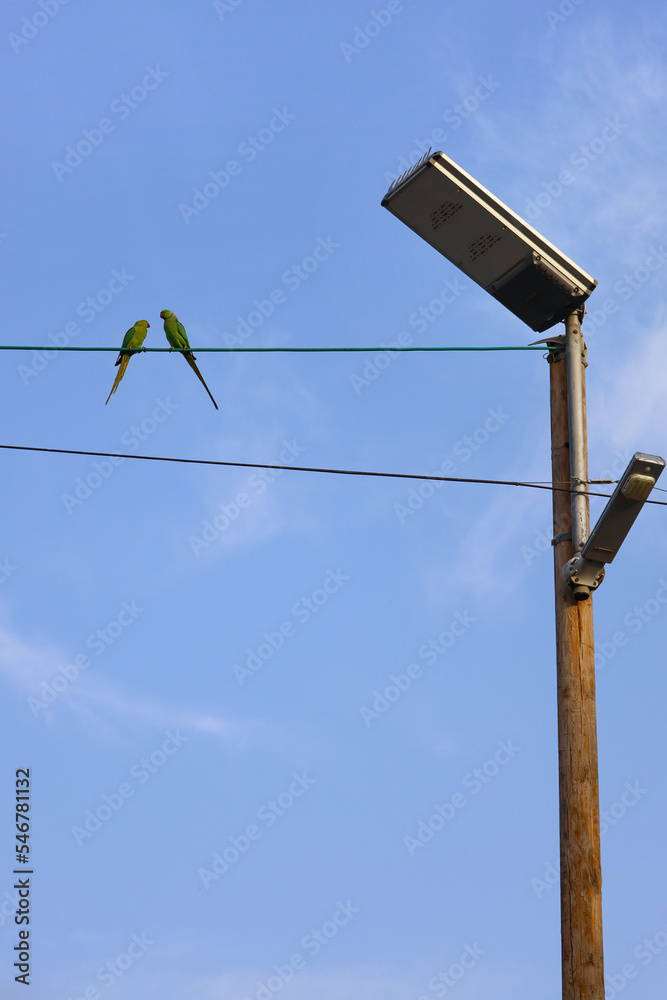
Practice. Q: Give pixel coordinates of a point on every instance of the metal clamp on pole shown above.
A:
(583, 576)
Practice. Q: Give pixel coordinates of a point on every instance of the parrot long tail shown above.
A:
(123, 361)
(191, 361)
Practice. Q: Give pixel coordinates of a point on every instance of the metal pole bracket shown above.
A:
(583, 576)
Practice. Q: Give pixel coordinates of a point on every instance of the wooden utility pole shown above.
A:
(580, 876)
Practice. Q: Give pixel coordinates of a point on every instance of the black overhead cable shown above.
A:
(305, 468)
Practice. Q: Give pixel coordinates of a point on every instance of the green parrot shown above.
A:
(177, 337)
(134, 338)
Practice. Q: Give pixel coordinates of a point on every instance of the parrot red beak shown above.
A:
(147, 325)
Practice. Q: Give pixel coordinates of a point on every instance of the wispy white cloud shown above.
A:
(488, 558)
(627, 412)
(25, 665)
(629, 405)
(354, 983)
(306, 986)
(100, 706)
(603, 74)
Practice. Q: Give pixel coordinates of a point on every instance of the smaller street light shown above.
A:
(585, 571)
(490, 243)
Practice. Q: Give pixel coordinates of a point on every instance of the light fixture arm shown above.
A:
(585, 570)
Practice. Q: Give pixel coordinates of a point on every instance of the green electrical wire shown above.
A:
(270, 350)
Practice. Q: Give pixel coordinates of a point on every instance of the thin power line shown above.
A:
(306, 468)
(266, 350)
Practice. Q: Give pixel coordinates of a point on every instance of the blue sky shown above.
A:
(213, 636)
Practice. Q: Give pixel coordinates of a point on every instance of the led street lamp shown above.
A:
(488, 242)
(515, 264)
(584, 572)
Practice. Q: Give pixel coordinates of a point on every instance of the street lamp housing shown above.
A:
(584, 572)
(490, 243)
(624, 505)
